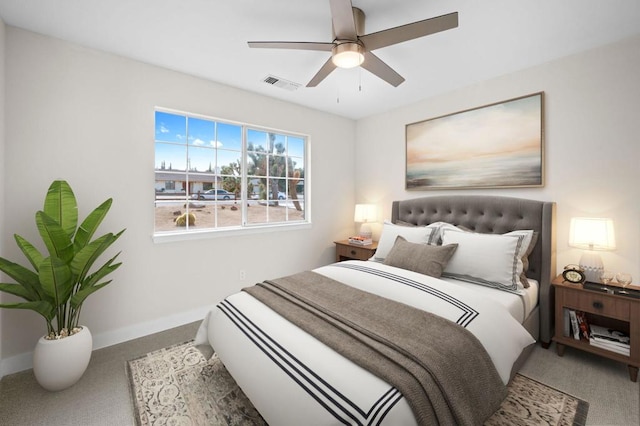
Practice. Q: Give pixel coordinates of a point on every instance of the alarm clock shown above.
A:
(574, 274)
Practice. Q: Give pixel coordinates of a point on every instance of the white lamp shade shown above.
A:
(365, 213)
(592, 233)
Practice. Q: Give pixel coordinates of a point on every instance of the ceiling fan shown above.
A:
(351, 48)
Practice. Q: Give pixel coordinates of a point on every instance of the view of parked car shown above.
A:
(214, 194)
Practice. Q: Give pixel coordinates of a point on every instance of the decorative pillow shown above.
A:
(414, 234)
(488, 259)
(422, 258)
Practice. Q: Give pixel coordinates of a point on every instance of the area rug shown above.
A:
(177, 386)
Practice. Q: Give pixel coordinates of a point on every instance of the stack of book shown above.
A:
(577, 326)
(360, 241)
(611, 340)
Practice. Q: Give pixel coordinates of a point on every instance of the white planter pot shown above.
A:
(58, 364)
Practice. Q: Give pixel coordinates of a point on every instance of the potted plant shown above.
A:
(58, 282)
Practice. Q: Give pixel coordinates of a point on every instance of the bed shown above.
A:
(445, 340)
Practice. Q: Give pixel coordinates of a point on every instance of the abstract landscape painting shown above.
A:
(496, 146)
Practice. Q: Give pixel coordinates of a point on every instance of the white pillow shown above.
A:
(439, 228)
(413, 234)
(488, 259)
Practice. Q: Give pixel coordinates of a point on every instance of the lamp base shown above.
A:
(365, 230)
(592, 264)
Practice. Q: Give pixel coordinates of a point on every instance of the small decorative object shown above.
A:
(573, 274)
(624, 280)
(495, 146)
(606, 277)
(58, 282)
(592, 234)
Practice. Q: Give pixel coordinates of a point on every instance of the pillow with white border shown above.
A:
(413, 234)
(492, 260)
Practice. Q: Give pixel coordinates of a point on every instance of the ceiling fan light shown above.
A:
(347, 55)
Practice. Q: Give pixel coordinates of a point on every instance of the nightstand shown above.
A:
(346, 251)
(608, 310)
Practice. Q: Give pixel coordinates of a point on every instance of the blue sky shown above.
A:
(209, 141)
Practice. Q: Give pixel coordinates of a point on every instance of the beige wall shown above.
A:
(592, 146)
(88, 117)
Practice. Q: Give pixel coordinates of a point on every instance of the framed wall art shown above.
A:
(499, 145)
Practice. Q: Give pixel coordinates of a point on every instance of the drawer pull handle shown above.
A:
(598, 305)
(353, 252)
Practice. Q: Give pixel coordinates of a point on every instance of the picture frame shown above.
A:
(499, 145)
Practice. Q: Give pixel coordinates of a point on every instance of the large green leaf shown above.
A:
(31, 253)
(84, 259)
(28, 279)
(43, 308)
(102, 272)
(90, 224)
(60, 204)
(78, 298)
(55, 238)
(55, 277)
(18, 290)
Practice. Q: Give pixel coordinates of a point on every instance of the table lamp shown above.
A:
(364, 214)
(592, 234)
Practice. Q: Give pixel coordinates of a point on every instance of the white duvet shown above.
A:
(294, 379)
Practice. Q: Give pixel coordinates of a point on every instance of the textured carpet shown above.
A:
(178, 386)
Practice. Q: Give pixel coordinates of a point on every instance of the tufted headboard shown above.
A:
(497, 215)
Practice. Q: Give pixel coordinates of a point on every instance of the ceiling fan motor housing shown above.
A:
(347, 54)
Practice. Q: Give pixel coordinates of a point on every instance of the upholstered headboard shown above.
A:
(497, 215)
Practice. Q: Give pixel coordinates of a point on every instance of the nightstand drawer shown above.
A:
(353, 252)
(597, 304)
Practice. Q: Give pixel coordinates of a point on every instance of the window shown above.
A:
(212, 175)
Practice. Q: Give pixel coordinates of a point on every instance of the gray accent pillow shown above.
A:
(422, 258)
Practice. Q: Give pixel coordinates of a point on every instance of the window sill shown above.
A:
(168, 237)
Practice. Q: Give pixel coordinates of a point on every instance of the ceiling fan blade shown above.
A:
(376, 66)
(322, 74)
(344, 26)
(298, 45)
(410, 31)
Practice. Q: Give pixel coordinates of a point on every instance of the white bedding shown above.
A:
(519, 304)
(294, 379)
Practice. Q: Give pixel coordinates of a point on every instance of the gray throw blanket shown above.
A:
(441, 369)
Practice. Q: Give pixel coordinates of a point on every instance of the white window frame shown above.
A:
(244, 228)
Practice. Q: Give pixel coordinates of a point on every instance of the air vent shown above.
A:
(281, 83)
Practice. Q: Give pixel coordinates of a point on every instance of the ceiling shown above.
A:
(208, 39)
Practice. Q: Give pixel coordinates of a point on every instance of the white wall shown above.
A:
(2, 160)
(592, 130)
(88, 117)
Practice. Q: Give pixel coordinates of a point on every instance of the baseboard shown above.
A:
(24, 361)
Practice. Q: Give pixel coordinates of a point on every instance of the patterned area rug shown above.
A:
(177, 386)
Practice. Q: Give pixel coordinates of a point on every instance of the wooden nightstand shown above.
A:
(346, 251)
(604, 309)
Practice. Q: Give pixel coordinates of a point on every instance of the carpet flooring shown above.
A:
(177, 385)
(102, 396)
